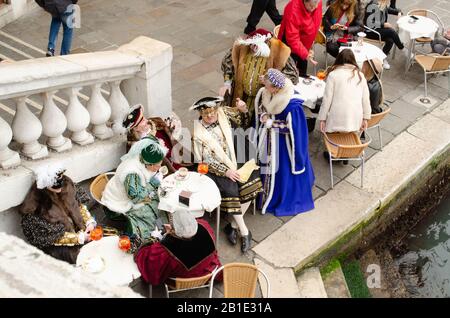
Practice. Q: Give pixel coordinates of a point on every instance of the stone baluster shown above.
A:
(119, 105)
(54, 124)
(77, 118)
(100, 111)
(8, 158)
(27, 129)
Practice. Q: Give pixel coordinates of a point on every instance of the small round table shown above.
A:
(364, 52)
(408, 32)
(205, 195)
(119, 266)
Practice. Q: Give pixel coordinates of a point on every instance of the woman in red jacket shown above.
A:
(301, 22)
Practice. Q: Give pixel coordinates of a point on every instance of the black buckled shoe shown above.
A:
(231, 233)
(246, 242)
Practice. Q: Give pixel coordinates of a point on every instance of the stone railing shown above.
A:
(43, 116)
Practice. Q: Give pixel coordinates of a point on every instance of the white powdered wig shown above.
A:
(46, 175)
(184, 224)
(259, 41)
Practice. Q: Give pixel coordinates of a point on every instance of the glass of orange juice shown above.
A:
(321, 74)
(124, 243)
(202, 168)
(97, 233)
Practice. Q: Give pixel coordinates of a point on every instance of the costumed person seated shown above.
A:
(289, 176)
(131, 194)
(341, 24)
(52, 218)
(248, 59)
(186, 250)
(213, 144)
(168, 130)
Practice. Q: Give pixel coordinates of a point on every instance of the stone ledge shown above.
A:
(307, 234)
(310, 284)
(49, 277)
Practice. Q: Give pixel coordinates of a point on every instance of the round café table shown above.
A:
(310, 91)
(409, 31)
(119, 268)
(205, 195)
(364, 52)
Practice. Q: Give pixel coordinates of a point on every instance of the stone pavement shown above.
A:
(200, 31)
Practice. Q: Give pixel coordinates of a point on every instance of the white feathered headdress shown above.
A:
(259, 41)
(46, 175)
(154, 144)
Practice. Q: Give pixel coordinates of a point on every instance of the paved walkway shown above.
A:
(200, 31)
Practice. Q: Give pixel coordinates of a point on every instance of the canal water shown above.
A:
(425, 267)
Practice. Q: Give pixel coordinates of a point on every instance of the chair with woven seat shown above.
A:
(433, 64)
(345, 146)
(321, 39)
(375, 122)
(98, 185)
(177, 284)
(239, 280)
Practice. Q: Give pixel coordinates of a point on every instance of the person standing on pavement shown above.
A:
(257, 11)
(301, 22)
(62, 13)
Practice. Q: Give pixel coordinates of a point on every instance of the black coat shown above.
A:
(376, 95)
(55, 7)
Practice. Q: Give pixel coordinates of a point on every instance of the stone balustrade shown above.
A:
(68, 124)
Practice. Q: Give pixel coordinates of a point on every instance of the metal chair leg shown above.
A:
(254, 206)
(425, 100)
(362, 171)
(217, 225)
(379, 135)
(331, 171)
(150, 291)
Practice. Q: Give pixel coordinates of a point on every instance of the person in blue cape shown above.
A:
(287, 173)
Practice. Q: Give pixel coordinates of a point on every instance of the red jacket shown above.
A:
(300, 27)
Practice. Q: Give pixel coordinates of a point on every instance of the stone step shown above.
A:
(335, 284)
(310, 284)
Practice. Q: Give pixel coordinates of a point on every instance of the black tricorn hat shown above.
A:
(206, 102)
(134, 117)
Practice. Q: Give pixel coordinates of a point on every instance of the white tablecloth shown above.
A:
(365, 52)
(120, 268)
(205, 196)
(424, 27)
(310, 93)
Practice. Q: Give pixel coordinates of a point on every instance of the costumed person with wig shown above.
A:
(289, 176)
(186, 250)
(213, 144)
(168, 130)
(52, 218)
(248, 59)
(131, 194)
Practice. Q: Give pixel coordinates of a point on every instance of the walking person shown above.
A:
(62, 13)
(257, 11)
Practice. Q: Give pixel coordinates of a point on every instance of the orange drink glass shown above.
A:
(124, 243)
(202, 168)
(321, 74)
(97, 233)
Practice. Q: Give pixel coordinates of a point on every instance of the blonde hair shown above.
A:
(336, 9)
(383, 4)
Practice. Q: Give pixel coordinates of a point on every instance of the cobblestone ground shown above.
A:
(200, 31)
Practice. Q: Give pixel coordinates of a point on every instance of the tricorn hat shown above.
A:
(134, 117)
(206, 102)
